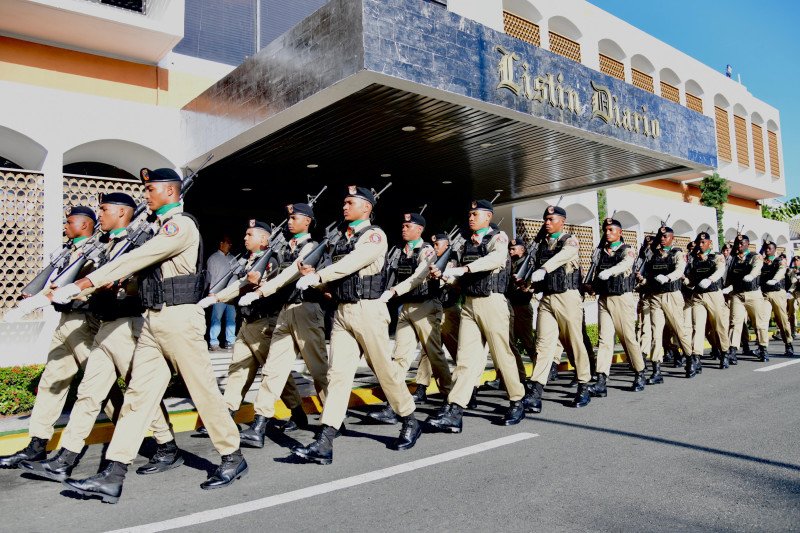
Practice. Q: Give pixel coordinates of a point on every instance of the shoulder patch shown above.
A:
(374, 237)
(502, 239)
(572, 241)
(170, 229)
(630, 253)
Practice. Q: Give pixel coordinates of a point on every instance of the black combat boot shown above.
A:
(732, 356)
(420, 394)
(321, 450)
(656, 377)
(698, 364)
(599, 389)
(532, 402)
(385, 415)
(167, 457)
(204, 432)
(298, 420)
(680, 360)
(107, 485)
(746, 350)
(715, 353)
(789, 350)
(529, 386)
(762, 354)
(638, 382)
(553, 372)
(58, 468)
(254, 436)
(36, 450)
(231, 468)
(582, 396)
(689, 366)
(514, 414)
(473, 399)
(448, 418)
(669, 356)
(724, 362)
(491, 385)
(409, 433)
(574, 382)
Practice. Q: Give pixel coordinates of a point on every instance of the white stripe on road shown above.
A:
(308, 492)
(776, 366)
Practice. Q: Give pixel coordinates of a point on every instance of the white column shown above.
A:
(53, 200)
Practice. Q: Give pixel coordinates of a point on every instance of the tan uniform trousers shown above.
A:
(791, 310)
(171, 337)
(616, 314)
(110, 357)
(421, 322)
(709, 308)
(748, 304)
(560, 319)
(300, 329)
(667, 308)
(362, 327)
(645, 326)
(69, 351)
(484, 320)
(522, 331)
(775, 302)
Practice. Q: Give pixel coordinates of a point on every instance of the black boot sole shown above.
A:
(655, 381)
(512, 422)
(240, 475)
(408, 445)
(602, 394)
(382, 420)
(637, 389)
(45, 474)
(579, 404)
(251, 443)
(317, 460)
(446, 429)
(160, 468)
(88, 494)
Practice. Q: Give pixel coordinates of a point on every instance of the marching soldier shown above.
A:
(704, 278)
(773, 285)
(560, 313)
(522, 313)
(300, 328)
(357, 280)
(69, 351)
(119, 310)
(484, 315)
(420, 315)
(258, 323)
(747, 300)
(793, 292)
(613, 284)
(171, 283)
(662, 277)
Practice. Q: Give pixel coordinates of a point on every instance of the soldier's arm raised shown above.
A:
(758, 262)
(719, 272)
(680, 267)
(496, 258)
(568, 253)
(626, 265)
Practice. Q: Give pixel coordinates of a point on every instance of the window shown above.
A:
(758, 148)
(740, 131)
(642, 80)
(723, 134)
(670, 92)
(565, 47)
(695, 103)
(612, 67)
(774, 164)
(522, 29)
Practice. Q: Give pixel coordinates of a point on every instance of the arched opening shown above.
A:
(579, 214)
(611, 49)
(722, 121)
(627, 220)
(721, 101)
(668, 75)
(730, 234)
(772, 125)
(564, 38)
(564, 27)
(124, 155)
(17, 150)
(523, 9)
(642, 71)
(739, 109)
(669, 85)
(693, 87)
(611, 58)
(682, 228)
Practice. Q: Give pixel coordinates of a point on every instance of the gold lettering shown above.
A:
(525, 80)
(540, 89)
(506, 69)
(573, 102)
(656, 127)
(627, 122)
(551, 86)
(601, 103)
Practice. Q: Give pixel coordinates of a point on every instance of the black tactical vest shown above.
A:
(156, 292)
(290, 294)
(661, 264)
(768, 272)
(740, 267)
(615, 285)
(482, 283)
(118, 301)
(558, 280)
(263, 307)
(406, 265)
(699, 270)
(516, 295)
(355, 287)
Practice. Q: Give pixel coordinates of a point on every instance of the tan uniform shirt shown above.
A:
(291, 273)
(426, 258)
(780, 273)
(367, 258)
(623, 267)
(567, 257)
(496, 256)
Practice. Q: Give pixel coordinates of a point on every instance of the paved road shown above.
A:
(716, 453)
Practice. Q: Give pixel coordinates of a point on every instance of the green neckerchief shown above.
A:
(707, 252)
(258, 253)
(771, 257)
(356, 223)
(615, 245)
(117, 231)
(746, 252)
(412, 244)
(164, 208)
(666, 248)
(555, 235)
(482, 231)
(299, 235)
(78, 240)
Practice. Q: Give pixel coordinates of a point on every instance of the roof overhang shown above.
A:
(491, 112)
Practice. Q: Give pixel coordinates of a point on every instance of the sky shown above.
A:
(759, 39)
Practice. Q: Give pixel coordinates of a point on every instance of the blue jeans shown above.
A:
(217, 312)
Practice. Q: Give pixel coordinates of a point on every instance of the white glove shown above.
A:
(538, 275)
(748, 278)
(386, 296)
(661, 278)
(727, 290)
(604, 275)
(65, 294)
(208, 301)
(27, 306)
(307, 281)
(705, 283)
(772, 282)
(454, 272)
(249, 298)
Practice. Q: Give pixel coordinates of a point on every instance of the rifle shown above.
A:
(647, 250)
(457, 242)
(592, 271)
(40, 282)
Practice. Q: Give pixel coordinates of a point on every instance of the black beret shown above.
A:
(117, 198)
(414, 218)
(666, 229)
(360, 192)
(300, 209)
(612, 222)
(261, 225)
(517, 242)
(769, 243)
(743, 237)
(703, 236)
(159, 174)
(440, 237)
(555, 210)
(82, 210)
(482, 205)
